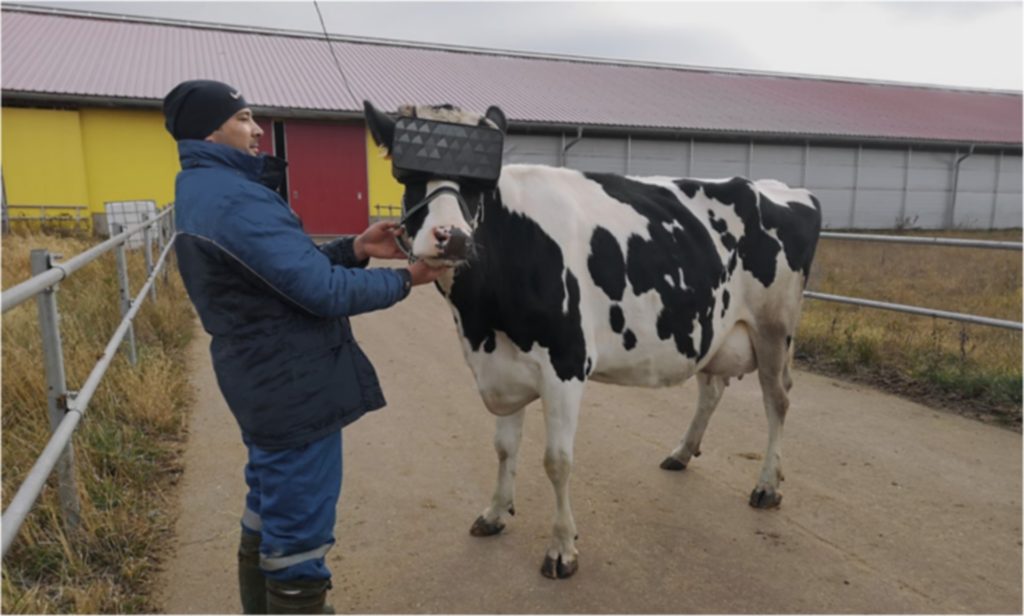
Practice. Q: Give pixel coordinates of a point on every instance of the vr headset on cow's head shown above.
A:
(424, 149)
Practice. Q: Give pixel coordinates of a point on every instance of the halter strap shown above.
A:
(408, 212)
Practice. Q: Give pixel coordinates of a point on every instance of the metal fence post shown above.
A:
(165, 238)
(126, 295)
(147, 235)
(57, 390)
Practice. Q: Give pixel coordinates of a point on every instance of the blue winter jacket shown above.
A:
(276, 305)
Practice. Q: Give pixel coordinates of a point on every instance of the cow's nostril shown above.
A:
(441, 235)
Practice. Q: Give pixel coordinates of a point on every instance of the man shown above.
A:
(277, 308)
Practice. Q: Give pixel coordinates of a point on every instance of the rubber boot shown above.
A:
(252, 587)
(303, 596)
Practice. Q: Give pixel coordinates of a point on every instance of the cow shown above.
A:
(562, 277)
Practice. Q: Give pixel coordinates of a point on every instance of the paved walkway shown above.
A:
(889, 506)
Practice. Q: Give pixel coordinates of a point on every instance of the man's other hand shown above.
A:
(423, 273)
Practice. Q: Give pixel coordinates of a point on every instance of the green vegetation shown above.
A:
(969, 368)
(127, 447)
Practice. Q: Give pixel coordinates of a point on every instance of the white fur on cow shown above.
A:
(572, 276)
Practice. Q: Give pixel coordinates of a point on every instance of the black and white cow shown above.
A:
(564, 277)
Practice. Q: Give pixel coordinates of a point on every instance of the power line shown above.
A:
(330, 46)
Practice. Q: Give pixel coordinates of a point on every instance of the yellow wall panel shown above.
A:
(384, 189)
(43, 161)
(129, 156)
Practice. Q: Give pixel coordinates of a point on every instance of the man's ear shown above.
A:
(382, 128)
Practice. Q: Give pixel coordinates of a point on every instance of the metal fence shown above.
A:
(923, 241)
(66, 407)
(47, 217)
(386, 211)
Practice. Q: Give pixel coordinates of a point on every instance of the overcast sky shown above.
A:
(967, 44)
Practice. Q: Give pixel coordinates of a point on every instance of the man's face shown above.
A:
(240, 131)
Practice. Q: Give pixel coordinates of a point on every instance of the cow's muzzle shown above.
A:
(453, 244)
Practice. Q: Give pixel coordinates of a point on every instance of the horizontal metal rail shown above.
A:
(45, 207)
(25, 498)
(928, 312)
(25, 291)
(926, 241)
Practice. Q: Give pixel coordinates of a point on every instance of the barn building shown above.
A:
(82, 123)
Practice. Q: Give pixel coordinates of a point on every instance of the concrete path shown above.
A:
(890, 507)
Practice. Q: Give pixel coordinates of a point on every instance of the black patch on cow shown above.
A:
(517, 284)
(725, 301)
(590, 365)
(490, 343)
(719, 225)
(654, 264)
(607, 265)
(617, 319)
(797, 226)
(629, 339)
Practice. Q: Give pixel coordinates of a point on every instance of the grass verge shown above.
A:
(971, 369)
(127, 447)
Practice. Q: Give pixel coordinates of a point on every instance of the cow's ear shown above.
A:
(496, 115)
(381, 126)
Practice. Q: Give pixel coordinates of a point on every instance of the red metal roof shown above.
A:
(68, 54)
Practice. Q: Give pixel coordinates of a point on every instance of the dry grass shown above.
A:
(969, 368)
(127, 446)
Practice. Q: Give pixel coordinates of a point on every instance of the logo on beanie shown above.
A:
(236, 95)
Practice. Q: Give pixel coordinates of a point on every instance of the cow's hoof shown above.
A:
(765, 498)
(483, 528)
(558, 570)
(671, 464)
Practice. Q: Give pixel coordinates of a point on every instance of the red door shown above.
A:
(327, 176)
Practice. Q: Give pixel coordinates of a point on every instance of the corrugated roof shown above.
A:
(69, 54)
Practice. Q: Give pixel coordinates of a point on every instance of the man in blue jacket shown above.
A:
(277, 308)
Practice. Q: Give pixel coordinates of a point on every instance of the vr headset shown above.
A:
(428, 149)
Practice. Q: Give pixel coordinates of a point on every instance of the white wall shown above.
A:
(869, 187)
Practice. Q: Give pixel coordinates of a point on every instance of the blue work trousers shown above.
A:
(291, 504)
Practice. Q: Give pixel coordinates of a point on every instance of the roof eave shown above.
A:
(63, 99)
(731, 134)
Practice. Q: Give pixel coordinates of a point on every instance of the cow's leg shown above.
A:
(773, 373)
(507, 437)
(710, 388)
(561, 415)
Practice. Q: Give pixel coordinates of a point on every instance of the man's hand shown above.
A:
(423, 273)
(379, 241)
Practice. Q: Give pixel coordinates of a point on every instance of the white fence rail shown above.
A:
(66, 408)
(925, 241)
